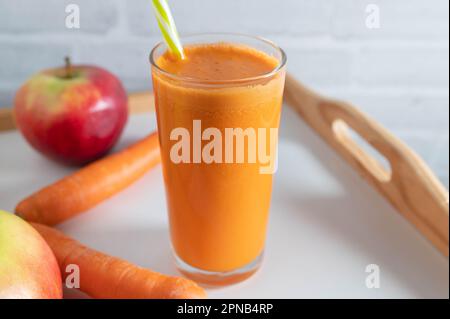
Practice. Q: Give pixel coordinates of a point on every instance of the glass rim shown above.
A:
(278, 68)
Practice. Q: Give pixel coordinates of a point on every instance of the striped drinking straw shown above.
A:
(168, 28)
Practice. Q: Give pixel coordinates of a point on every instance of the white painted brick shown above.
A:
(128, 59)
(406, 112)
(318, 67)
(419, 141)
(260, 17)
(398, 19)
(445, 180)
(403, 67)
(430, 148)
(440, 162)
(20, 60)
(7, 96)
(31, 16)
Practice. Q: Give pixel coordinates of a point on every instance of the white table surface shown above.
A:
(326, 223)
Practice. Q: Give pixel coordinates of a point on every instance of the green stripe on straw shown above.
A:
(167, 26)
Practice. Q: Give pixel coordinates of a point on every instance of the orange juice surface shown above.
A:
(218, 211)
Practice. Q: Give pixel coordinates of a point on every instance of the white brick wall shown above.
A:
(411, 66)
(401, 19)
(38, 16)
(399, 73)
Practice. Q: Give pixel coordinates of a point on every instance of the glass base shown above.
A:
(211, 278)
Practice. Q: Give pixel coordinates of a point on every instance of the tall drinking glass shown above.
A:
(218, 130)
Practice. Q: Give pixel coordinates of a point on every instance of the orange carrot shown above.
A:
(106, 277)
(90, 185)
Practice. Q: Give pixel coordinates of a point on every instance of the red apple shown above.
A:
(28, 268)
(73, 114)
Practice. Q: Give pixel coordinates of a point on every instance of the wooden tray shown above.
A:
(410, 186)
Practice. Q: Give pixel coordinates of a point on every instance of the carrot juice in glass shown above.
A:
(218, 113)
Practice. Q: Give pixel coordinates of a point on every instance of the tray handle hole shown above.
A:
(366, 155)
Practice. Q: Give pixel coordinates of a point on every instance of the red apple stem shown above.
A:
(69, 71)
